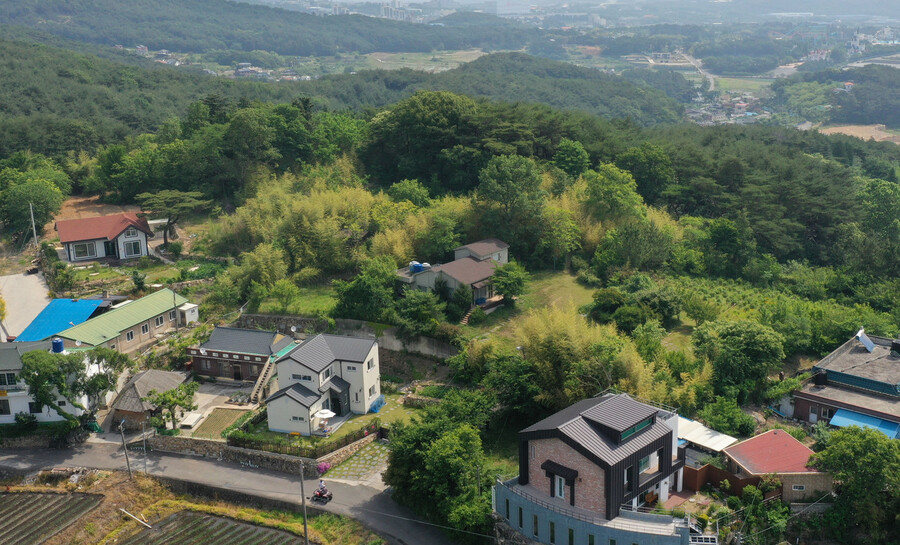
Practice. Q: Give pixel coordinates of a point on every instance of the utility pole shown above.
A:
(33, 228)
(303, 500)
(125, 448)
(144, 438)
(175, 309)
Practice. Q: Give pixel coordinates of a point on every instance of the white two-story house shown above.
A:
(325, 372)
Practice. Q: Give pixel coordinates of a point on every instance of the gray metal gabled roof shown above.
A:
(335, 384)
(296, 392)
(581, 423)
(246, 341)
(11, 353)
(319, 352)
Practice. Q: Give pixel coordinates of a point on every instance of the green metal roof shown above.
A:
(109, 325)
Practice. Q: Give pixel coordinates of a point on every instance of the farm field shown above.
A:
(875, 132)
(214, 424)
(749, 85)
(32, 519)
(187, 528)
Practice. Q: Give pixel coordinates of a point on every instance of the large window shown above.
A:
(636, 428)
(132, 248)
(4, 406)
(305, 378)
(84, 249)
(644, 464)
(7, 379)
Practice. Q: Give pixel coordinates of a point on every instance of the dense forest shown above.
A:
(201, 25)
(54, 100)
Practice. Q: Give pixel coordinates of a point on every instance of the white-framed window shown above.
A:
(160, 320)
(305, 378)
(131, 232)
(7, 379)
(171, 315)
(129, 336)
(371, 391)
(827, 412)
(351, 368)
(326, 374)
(132, 248)
(798, 487)
(84, 249)
(257, 359)
(298, 419)
(235, 356)
(145, 328)
(247, 358)
(559, 487)
(370, 364)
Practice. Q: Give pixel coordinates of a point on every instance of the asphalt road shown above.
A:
(372, 507)
(26, 297)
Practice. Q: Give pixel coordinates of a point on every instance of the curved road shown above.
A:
(372, 507)
(706, 75)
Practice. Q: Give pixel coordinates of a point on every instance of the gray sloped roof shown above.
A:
(131, 397)
(468, 270)
(296, 392)
(320, 351)
(246, 341)
(335, 384)
(581, 423)
(11, 353)
(485, 247)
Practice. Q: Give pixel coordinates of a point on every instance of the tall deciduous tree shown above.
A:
(571, 157)
(15, 212)
(172, 205)
(174, 401)
(510, 280)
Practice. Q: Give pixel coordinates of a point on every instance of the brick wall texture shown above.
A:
(590, 486)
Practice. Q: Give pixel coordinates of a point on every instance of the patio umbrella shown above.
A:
(325, 413)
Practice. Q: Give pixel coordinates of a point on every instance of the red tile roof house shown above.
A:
(777, 453)
(119, 236)
(586, 472)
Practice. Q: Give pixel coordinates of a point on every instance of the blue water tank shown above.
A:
(58, 346)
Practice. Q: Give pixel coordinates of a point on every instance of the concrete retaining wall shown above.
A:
(809, 509)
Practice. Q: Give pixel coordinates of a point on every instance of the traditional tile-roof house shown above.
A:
(331, 372)
(857, 384)
(584, 472)
(58, 315)
(119, 236)
(238, 354)
(130, 404)
(473, 266)
(776, 452)
(133, 325)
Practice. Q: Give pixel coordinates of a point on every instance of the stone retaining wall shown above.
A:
(419, 402)
(185, 445)
(342, 454)
(27, 441)
(284, 463)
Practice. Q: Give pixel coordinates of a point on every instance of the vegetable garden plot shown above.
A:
(187, 528)
(31, 519)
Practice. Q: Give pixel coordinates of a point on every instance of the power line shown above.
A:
(793, 516)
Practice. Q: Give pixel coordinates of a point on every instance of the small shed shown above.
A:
(130, 405)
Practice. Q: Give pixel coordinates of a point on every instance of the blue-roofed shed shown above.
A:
(59, 315)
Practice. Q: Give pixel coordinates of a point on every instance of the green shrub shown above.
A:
(175, 248)
(477, 317)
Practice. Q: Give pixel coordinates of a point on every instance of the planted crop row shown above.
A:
(31, 519)
(186, 528)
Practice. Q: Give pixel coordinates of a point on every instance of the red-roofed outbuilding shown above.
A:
(120, 236)
(776, 452)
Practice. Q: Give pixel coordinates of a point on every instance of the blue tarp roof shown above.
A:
(59, 315)
(843, 418)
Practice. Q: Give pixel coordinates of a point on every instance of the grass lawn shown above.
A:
(501, 450)
(390, 413)
(216, 422)
(312, 300)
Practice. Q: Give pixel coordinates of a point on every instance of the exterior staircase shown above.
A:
(465, 319)
(262, 381)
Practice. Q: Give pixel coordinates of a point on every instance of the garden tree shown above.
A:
(652, 170)
(606, 302)
(512, 201)
(92, 374)
(471, 364)
(726, 416)
(460, 303)
(175, 402)
(510, 280)
(612, 194)
(561, 235)
(419, 312)
(171, 205)
(865, 465)
(742, 353)
(571, 157)
(370, 295)
(631, 316)
(513, 380)
(285, 293)
(662, 300)
(139, 280)
(648, 340)
(409, 190)
(15, 213)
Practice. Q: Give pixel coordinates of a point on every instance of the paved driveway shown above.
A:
(25, 296)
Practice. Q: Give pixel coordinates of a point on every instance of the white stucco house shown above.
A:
(119, 236)
(14, 395)
(325, 372)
